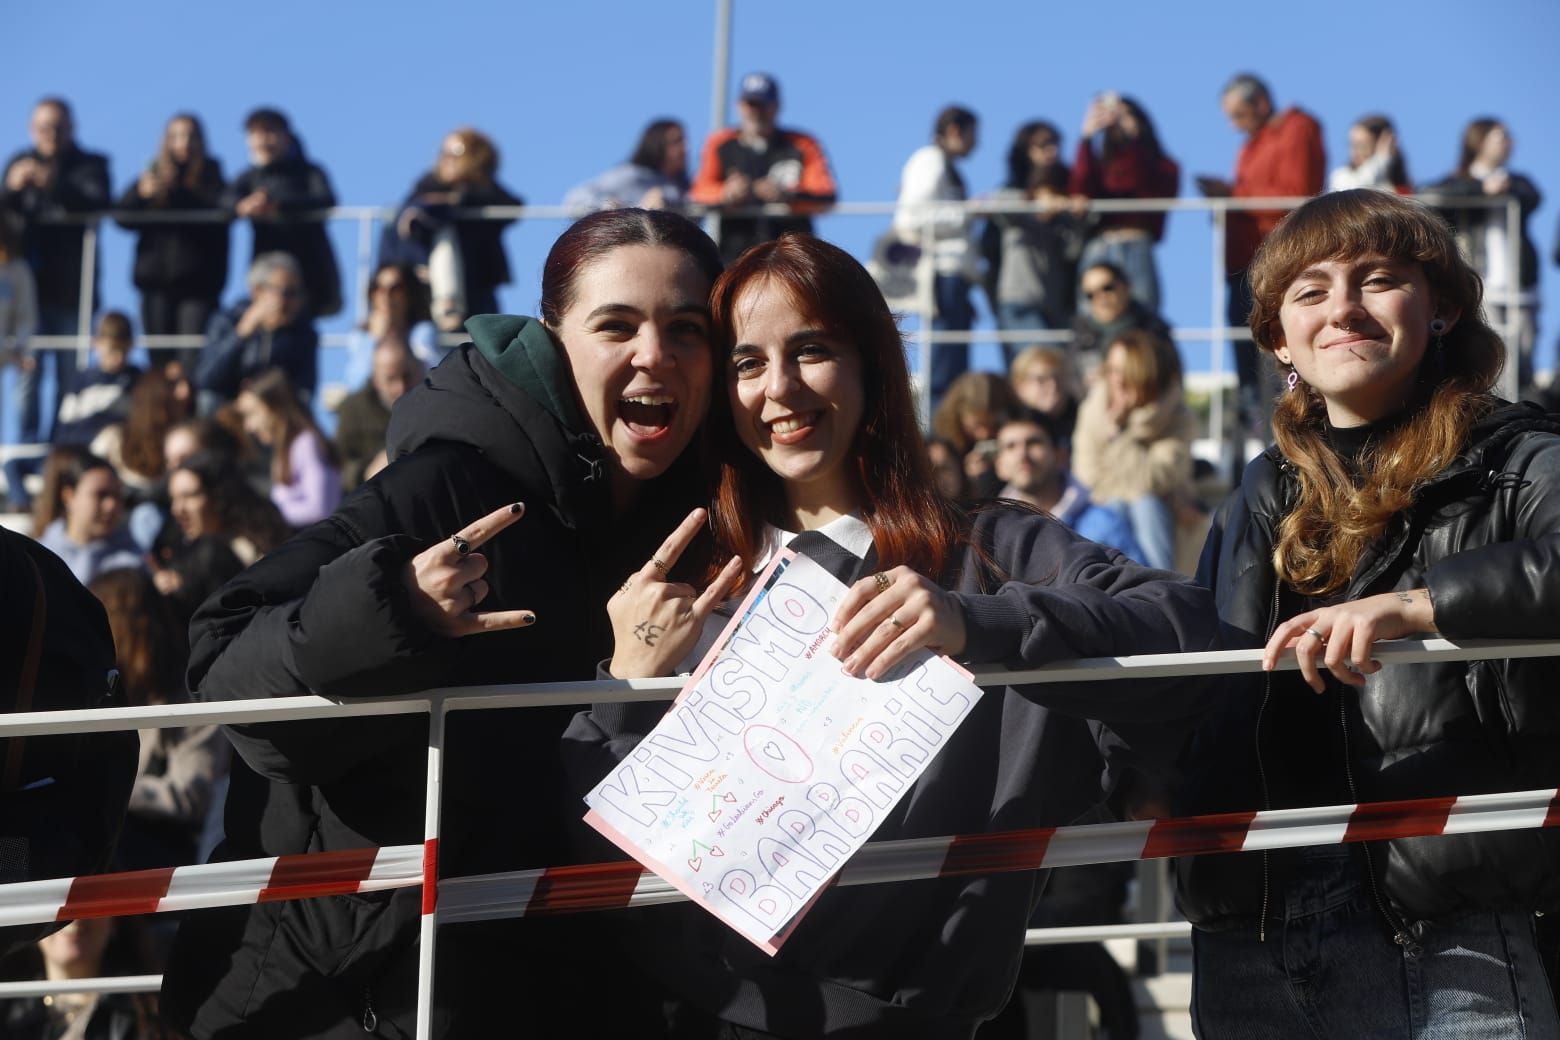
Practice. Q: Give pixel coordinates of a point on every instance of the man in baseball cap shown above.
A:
(757, 163)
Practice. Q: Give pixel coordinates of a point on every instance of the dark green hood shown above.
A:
(525, 353)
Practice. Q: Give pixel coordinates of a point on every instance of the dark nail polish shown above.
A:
(529, 619)
(517, 507)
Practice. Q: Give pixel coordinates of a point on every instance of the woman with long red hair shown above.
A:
(826, 457)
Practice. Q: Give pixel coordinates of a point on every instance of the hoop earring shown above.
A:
(1438, 327)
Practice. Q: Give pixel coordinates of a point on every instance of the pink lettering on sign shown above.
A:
(769, 905)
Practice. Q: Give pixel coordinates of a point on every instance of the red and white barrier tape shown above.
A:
(605, 886)
(213, 884)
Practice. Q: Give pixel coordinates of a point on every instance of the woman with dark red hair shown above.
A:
(827, 458)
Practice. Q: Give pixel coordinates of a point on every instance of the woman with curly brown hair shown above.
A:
(1402, 498)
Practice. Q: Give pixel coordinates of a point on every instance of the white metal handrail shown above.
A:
(622, 691)
(438, 703)
(1217, 334)
(926, 338)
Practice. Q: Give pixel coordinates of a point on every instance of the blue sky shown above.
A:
(565, 89)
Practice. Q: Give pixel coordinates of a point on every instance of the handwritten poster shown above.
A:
(773, 766)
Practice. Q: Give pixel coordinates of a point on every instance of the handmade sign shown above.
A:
(773, 766)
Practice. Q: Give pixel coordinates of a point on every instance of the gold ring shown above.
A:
(882, 581)
(658, 564)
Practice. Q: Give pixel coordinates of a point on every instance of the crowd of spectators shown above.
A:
(163, 482)
(764, 179)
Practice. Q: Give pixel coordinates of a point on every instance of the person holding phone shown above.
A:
(538, 464)
(1119, 157)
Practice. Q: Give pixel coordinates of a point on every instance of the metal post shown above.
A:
(719, 88)
(430, 896)
(1218, 322)
(926, 278)
(365, 259)
(84, 302)
(1510, 383)
(722, 82)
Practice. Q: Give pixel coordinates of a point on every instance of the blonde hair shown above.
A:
(1152, 364)
(1335, 517)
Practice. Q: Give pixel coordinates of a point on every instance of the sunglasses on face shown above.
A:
(1108, 287)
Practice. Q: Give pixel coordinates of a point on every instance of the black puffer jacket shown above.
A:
(495, 423)
(1484, 538)
(295, 185)
(179, 258)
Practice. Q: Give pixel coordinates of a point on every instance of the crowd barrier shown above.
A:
(919, 303)
(603, 886)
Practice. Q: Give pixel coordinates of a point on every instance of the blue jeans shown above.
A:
(1330, 969)
(1153, 525)
(1018, 317)
(954, 313)
(52, 321)
(1135, 257)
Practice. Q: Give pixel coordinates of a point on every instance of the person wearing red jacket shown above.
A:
(1119, 157)
(1283, 156)
(756, 163)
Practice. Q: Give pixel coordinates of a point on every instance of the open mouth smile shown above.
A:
(648, 414)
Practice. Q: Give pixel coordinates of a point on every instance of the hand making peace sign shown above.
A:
(655, 623)
(444, 582)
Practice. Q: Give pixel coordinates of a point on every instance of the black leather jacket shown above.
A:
(1484, 538)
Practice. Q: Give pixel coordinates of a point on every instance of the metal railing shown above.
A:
(1217, 333)
(437, 704)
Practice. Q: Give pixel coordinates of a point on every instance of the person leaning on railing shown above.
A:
(180, 268)
(56, 178)
(1402, 497)
(538, 465)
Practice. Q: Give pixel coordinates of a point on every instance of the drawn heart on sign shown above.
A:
(715, 851)
(777, 753)
(730, 796)
(697, 863)
(714, 815)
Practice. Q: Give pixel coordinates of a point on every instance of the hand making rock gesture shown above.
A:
(445, 585)
(656, 622)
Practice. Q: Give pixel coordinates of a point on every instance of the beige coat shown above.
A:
(1150, 455)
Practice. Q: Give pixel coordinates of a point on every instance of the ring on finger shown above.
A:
(461, 545)
(892, 620)
(1319, 637)
(624, 587)
(882, 581)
